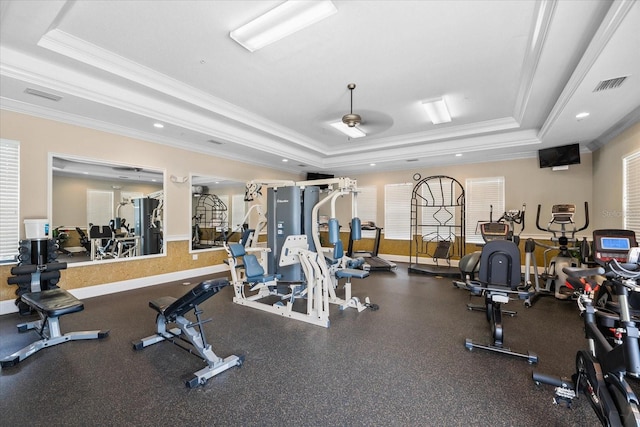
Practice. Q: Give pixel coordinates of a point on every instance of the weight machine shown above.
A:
(293, 266)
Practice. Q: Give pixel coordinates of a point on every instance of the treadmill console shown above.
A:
(613, 244)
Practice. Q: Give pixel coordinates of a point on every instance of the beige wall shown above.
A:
(40, 137)
(607, 178)
(525, 182)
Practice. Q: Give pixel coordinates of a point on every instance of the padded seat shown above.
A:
(53, 302)
(171, 307)
(351, 272)
(252, 268)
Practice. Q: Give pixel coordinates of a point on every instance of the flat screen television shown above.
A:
(559, 156)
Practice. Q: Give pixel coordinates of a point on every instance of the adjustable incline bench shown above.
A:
(50, 304)
(172, 310)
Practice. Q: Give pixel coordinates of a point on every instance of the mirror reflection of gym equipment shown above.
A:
(210, 222)
(104, 222)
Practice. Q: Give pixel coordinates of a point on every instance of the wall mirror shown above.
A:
(218, 211)
(103, 210)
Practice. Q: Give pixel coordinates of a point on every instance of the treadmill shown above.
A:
(372, 261)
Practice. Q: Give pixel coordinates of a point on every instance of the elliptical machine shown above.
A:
(601, 370)
(553, 277)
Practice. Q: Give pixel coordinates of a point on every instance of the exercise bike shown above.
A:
(502, 229)
(601, 370)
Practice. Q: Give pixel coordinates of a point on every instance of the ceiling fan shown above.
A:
(351, 119)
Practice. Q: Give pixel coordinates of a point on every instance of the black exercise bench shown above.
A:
(172, 310)
(50, 304)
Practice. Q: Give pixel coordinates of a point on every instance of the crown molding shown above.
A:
(481, 143)
(543, 16)
(73, 47)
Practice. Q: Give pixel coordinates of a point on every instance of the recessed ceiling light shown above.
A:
(459, 155)
(285, 160)
(158, 125)
(372, 164)
(582, 115)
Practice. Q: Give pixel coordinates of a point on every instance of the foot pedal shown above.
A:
(564, 397)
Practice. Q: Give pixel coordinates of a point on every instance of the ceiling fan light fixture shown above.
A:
(284, 20)
(437, 110)
(351, 120)
(350, 131)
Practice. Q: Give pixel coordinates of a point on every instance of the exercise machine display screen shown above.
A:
(612, 244)
(615, 243)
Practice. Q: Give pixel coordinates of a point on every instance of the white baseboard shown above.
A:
(8, 306)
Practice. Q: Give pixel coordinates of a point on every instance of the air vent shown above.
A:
(412, 160)
(302, 166)
(42, 94)
(213, 141)
(610, 84)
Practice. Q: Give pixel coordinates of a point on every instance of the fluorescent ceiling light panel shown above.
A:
(353, 132)
(286, 19)
(437, 111)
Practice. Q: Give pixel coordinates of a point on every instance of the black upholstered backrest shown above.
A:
(195, 296)
(500, 264)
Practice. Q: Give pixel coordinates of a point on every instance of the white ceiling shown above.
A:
(513, 73)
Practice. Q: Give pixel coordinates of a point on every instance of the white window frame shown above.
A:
(480, 195)
(9, 199)
(631, 192)
(397, 211)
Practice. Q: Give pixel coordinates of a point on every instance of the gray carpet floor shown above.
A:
(403, 365)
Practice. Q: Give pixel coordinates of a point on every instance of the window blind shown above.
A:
(367, 203)
(238, 211)
(99, 207)
(397, 211)
(631, 194)
(9, 199)
(480, 195)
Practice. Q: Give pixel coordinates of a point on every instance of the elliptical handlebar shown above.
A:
(562, 230)
(538, 219)
(586, 217)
